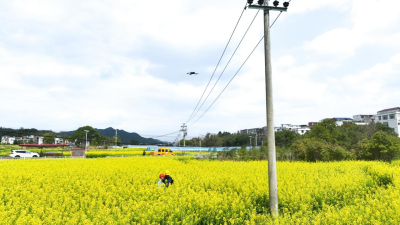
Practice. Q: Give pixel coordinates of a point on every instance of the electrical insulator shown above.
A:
(276, 3)
(286, 4)
(250, 2)
(261, 2)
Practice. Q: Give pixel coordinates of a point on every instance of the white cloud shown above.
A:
(372, 24)
(339, 41)
(67, 64)
(285, 61)
(310, 5)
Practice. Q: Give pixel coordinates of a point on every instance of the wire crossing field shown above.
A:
(124, 191)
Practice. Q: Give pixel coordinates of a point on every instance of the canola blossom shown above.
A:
(125, 191)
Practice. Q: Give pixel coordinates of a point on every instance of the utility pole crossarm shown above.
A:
(282, 9)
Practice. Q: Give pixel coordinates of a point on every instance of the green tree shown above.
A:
(314, 150)
(93, 137)
(16, 142)
(187, 142)
(243, 153)
(134, 142)
(48, 138)
(211, 140)
(119, 142)
(382, 146)
(286, 138)
(325, 131)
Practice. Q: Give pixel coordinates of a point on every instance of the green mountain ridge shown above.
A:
(125, 136)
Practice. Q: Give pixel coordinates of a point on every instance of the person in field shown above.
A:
(161, 181)
(168, 180)
(165, 179)
(144, 152)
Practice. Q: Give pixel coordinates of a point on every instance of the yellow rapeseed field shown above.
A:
(124, 191)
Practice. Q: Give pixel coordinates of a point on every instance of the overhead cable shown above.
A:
(166, 134)
(237, 71)
(229, 82)
(225, 66)
(218, 63)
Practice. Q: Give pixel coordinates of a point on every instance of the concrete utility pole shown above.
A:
(272, 177)
(250, 140)
(86, 142)
(184, 130)
(256, 138)
(115, 140)
(200, 142)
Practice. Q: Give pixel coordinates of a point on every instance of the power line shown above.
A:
(218, 63)
(275, 19)
(166, 134)
(225, 66)
(229, 81)
(236, 72)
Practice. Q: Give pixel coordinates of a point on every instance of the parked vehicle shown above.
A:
(163, 151)
(23, 154)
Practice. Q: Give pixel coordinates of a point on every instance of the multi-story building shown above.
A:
(7, 139)
(58, 140)
(252, 131)
(340, 120)
(363, 118)
(300, 129)
(260, 133)
(26, 139)
(311, 124)
(390, 117)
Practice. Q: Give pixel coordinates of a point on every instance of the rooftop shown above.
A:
(396, 108)
(342, 118)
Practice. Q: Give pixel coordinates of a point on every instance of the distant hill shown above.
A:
(125, 137)
(21, 132)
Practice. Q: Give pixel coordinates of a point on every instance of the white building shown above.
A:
(26, 139)
(300, 129)
(39, 140)
(7, 140)
(390, 117)
(364, 119)
(58, 141)
(341, 120)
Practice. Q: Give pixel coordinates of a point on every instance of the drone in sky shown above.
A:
(192, 73)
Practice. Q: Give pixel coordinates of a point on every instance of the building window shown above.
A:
(391, 116)
(385, 117)
(386, 123)
(379, 117)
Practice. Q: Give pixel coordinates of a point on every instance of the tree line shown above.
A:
(328, 142)
(221, 139)
(325, 141)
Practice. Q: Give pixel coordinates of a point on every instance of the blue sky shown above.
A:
(123, 64)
